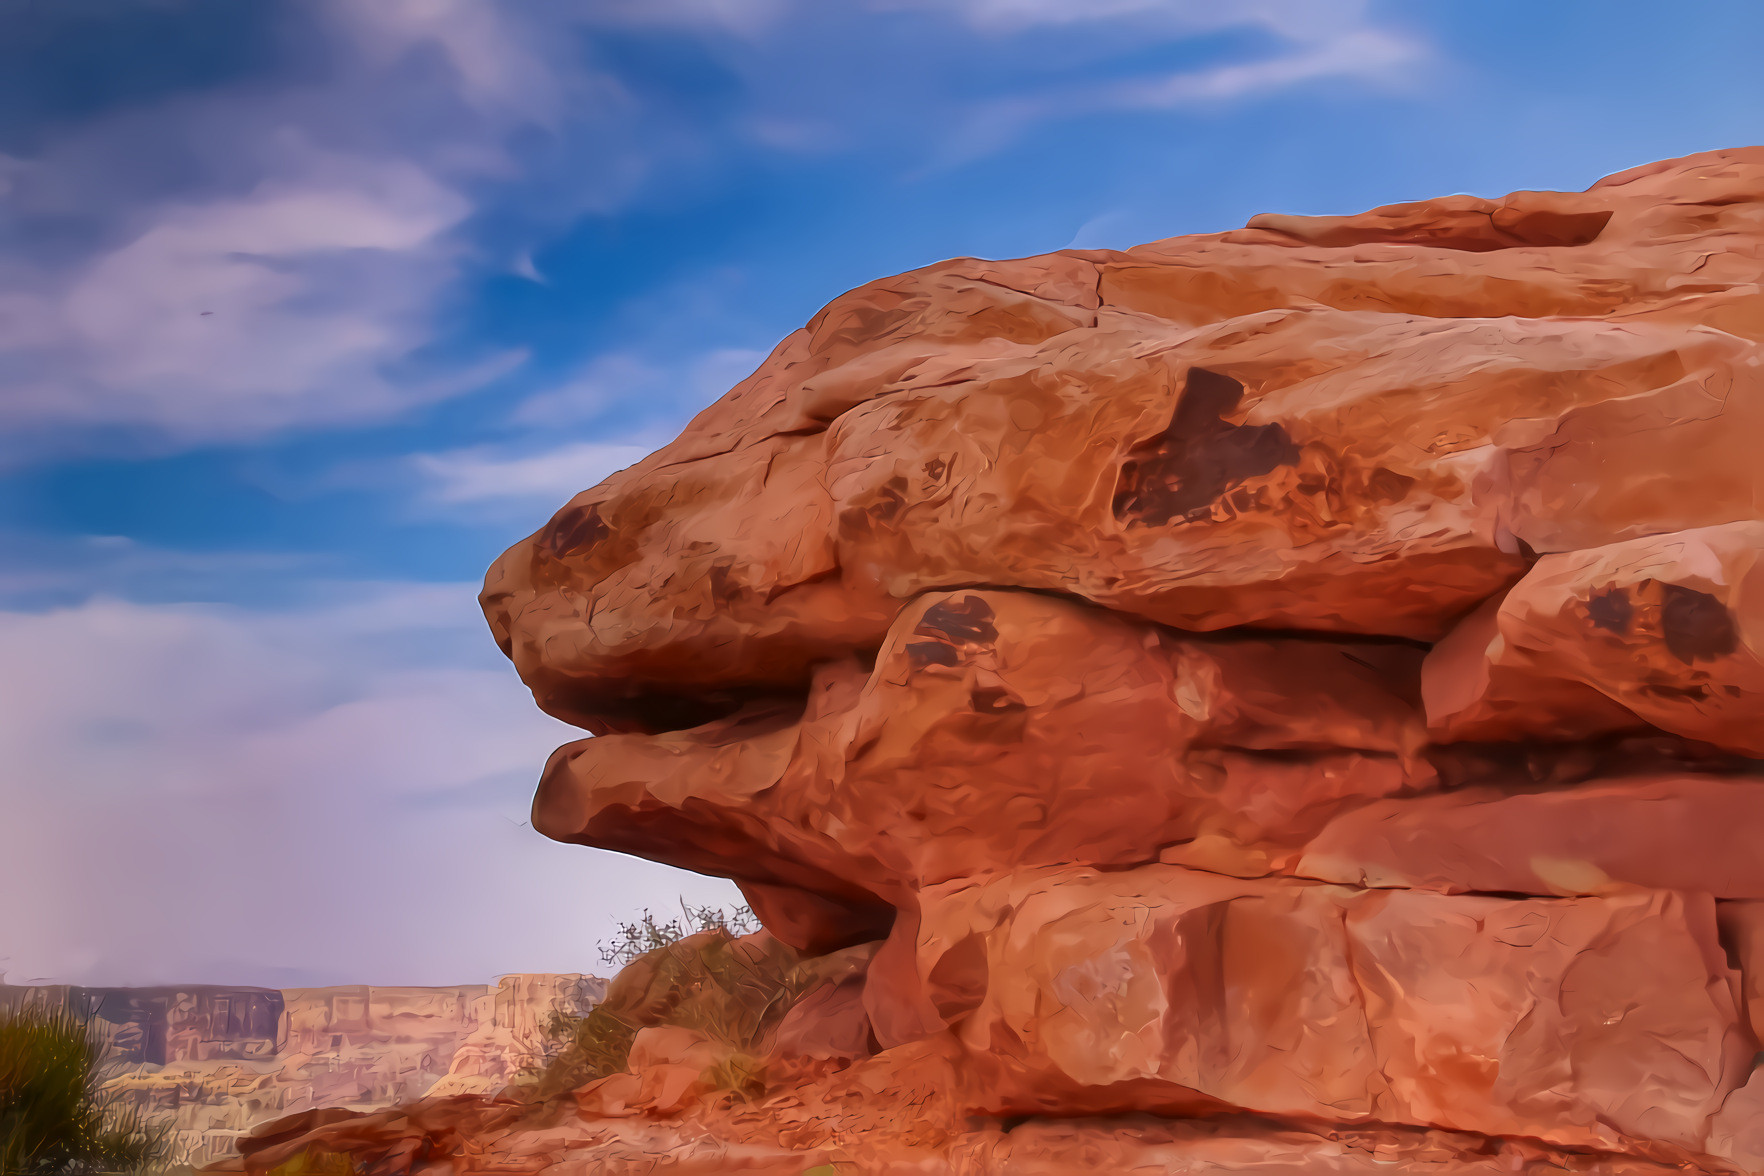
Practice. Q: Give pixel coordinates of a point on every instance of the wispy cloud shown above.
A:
(281, 251)
(1364, 54)
(484, 475)
(236, 316)
(1306, 41)
(1300, 18)
(42, 571)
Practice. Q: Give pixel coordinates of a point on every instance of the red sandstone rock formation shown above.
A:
(1292, 691)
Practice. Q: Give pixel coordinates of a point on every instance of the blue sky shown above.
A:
(308, 308)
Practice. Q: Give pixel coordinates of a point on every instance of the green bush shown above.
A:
(52, 1117)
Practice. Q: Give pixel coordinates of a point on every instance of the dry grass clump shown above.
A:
(733, 990)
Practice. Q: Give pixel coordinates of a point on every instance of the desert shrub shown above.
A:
(53, 1118)
(598, 1045)
(646, 934)
(581, 1049)
(730, 990)
(741, 1074)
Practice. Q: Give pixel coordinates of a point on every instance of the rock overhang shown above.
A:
(1258, 557)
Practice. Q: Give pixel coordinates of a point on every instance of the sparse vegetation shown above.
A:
(646, 934)
(53, 1118)
(674, 973)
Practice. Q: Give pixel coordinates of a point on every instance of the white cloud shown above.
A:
(236, 316)
(287, 259)
(482, 474)
(1362, 53)
(199, 793)
(1309, 50)
(1303, 18)
(44, 569)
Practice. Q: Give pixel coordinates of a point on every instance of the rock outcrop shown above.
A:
(1284, 700)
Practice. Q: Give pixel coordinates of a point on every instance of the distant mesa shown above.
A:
(209, 1063)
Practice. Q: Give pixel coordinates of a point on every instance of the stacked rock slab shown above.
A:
(1312, 671)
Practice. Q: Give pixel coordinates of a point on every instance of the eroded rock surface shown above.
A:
(1284, 700)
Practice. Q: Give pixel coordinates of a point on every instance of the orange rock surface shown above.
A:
(1278, 701)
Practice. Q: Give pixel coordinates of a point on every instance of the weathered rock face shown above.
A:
(1365, 426)
(1312, 670)
(1302, 681)
(1004, 729)
(1604, 1023)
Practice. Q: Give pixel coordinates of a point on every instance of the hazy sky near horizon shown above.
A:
(308, 308)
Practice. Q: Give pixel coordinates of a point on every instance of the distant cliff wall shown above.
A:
(159, 1025)
(210, 1062)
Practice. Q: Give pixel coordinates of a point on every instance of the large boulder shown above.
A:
(1307, 681)
(1600, 1022)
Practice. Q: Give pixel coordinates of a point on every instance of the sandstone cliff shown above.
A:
(1283, 700)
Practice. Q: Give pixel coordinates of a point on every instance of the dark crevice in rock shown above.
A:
(1549, 766)
(633, 707)
(750, 710)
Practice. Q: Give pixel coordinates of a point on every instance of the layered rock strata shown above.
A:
(1302, 684)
